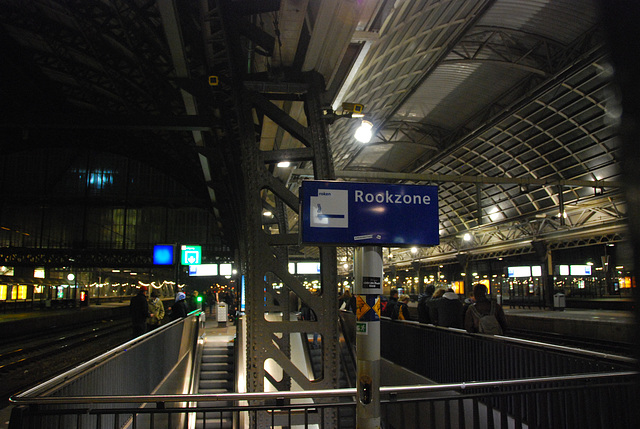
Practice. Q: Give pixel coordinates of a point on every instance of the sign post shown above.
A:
(368, 288)
(368, 216)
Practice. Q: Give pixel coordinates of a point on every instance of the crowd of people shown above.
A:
(149, 313)
(439, 306)
(443, 307)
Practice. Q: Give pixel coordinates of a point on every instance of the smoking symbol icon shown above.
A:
(330, 209)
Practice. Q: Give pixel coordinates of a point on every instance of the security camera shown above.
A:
(352, 107)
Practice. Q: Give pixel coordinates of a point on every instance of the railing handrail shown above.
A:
(95, 361)
(521, 341)
(328, 393)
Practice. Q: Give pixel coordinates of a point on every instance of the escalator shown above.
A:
(347, 379)
(216, 377)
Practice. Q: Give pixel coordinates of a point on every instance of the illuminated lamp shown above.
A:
(364, 132)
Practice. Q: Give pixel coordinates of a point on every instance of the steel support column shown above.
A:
(272, 328)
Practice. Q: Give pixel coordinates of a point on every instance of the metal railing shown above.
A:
(155, 362)
(449, 355)
(585, 400)
(538, 386)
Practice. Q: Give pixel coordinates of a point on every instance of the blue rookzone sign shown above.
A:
(358, 214)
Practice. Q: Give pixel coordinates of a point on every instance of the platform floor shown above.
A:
(222, 332)
(9, 316)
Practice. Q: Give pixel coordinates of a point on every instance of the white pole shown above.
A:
(368, 288)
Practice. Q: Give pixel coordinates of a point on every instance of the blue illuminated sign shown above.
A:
(163, 254)
(350, 213)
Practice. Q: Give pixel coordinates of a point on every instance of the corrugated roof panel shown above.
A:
(559, 20)
(455, 92)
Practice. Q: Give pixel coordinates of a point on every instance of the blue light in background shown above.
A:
(163, 254)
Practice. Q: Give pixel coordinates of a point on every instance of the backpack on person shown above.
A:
(487, 323)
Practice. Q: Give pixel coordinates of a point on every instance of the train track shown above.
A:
(29, 361)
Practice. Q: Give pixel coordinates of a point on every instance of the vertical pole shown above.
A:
(550, 285)
(561, 204)
(368, 287)
(479, 203)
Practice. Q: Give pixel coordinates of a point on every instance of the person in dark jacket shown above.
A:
(483, 305)
(306, 313)
(468, 302)
(448, 310)
(401, 308)
(423, 304)
(347, 302)
(431, 304)
(211, 302)
(194, 304)
(139, 311)
(179, 308)
(391, 303)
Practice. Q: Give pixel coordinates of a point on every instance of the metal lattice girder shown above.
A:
(564, 238)
(269, 325)
(445, 254)
(85, 258)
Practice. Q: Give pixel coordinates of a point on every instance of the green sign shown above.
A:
(191, 255)
(361, 328)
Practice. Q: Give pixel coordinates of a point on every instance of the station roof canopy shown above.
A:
(506, 105)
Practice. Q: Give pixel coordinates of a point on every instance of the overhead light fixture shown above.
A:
(267, 213)
(414, 250)
(284, 164)
(466, 237)
(364, 133)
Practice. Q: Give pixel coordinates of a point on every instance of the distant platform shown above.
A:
(602, 325)
(18, 324)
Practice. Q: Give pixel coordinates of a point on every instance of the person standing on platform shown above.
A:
(391, 303)
(448, 311)
(211, 301)
(401, 308)
(423, 304)
(347, 302)
(179, 308)
(139, 311)
(157, 310)
(193, 301)
(433, 302)
(306, 313)
(468, 302)
(485, 309)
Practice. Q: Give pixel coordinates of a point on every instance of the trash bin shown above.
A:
(559, 301)
(222, 312)
(499, 299)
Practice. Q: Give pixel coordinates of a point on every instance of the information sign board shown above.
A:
(191, 255)
(359, 214)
